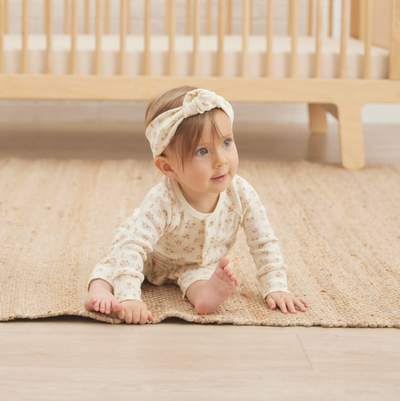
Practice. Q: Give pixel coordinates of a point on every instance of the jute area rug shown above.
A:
(339, 233)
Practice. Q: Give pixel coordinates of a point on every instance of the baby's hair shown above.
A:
(188, 134)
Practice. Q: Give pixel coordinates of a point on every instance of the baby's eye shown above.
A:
(228, 140)
(201, 154)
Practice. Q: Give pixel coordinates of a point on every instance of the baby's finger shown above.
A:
(136, 315)
(121, 314)
(144, 314)
(128, 316)
(150, 316)
(304, 302)
(300, 305)
(282, 305)
(271, 303)
(108, 303)
(290, 305)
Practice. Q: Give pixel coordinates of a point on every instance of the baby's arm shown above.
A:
(135, 237)
(264, 247)
(135, 240)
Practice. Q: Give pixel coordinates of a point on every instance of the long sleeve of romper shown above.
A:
(264, 246)
(134, 239)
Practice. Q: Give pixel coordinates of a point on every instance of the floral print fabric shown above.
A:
(166, 240)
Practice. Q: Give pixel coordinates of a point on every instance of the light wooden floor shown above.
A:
(73, 358)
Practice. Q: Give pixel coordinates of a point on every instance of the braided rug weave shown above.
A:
(339, 232)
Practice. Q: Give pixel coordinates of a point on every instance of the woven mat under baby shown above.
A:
(339, 233)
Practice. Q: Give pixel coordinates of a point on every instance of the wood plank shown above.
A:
(224, 361)
(18, 86)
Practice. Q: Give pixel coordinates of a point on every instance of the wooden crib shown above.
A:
(335, 75)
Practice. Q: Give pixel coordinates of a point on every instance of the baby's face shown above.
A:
(211, 160)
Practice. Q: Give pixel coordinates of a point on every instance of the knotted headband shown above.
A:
(162, 129)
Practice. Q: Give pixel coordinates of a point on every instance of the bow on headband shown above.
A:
(162, 129)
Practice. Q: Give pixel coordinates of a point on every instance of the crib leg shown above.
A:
(351, 135)
(317, 119)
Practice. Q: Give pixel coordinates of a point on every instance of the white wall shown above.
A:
(38, 110)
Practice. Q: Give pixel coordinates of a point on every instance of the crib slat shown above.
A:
(355, 23)
(343, 40)
(310, 18)
(294, 33)
(196, 35)
(251, 17)
(2, 26)
(188, 19)
(221, 33)
(44, 16)
(122, 33)
(270, 39)
(362, 19)
(128, 17)
(318, 40)
(107, 17)
(394, 61)
(49, 33)
(66, 16)
(87, 17)
(99, 17)
(147, 35)
(331, 12)
(208, 17)
(74, 37)
(5, 16)
(25, 35)
(171, 30)
(245, 37)
(166, 17)
(229, 16)
(368, 39)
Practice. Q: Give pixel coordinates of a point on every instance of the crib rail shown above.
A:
(375, 22)
(359, 12)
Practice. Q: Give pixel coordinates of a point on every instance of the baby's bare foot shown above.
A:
(221, 284)
(100, 298)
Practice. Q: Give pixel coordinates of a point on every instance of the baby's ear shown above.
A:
(163, 164)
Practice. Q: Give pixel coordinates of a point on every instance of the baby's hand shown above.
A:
(283, 298)
(134, 311)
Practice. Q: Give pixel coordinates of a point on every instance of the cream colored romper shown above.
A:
(166, 240)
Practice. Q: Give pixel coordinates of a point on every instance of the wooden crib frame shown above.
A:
(374, 22)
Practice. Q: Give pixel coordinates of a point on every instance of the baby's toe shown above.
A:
(116, 306)
(96, 304)
(228, 271)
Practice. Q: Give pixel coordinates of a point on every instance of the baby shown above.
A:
(188, 223)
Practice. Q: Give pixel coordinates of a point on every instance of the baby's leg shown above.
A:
(207, 295)
(100, 297)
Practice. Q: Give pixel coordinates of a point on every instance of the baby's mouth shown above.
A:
(220, 178)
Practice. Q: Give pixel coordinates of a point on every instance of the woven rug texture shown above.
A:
(339, 232)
